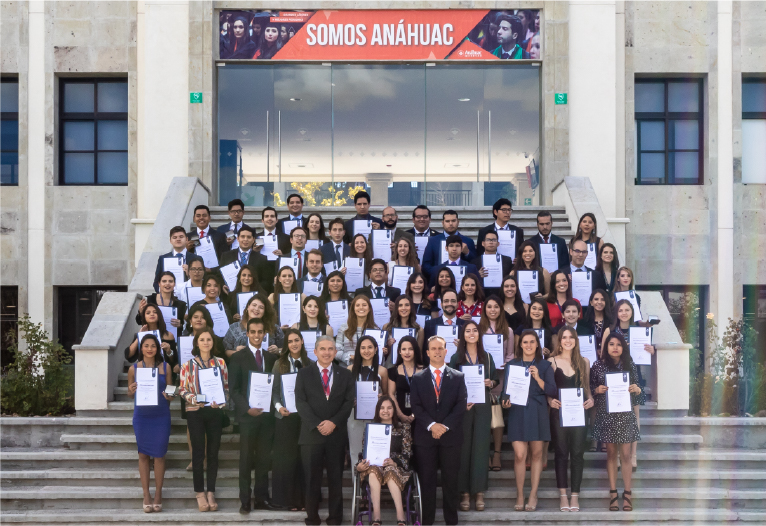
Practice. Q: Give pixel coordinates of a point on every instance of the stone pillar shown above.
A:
(379, 188)
(725, 189)
(592, 97)
(36, 187)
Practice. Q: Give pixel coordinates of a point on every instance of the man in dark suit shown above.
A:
(324, 397)
(337, 249)
(490, 249)
(378, 287)
(245, 253)
(269, 220)
(295, 209)
(502, 210)
(544, 237)
(454, 247)
(298, 238)
(256, 426)
(449, 309)
(578, 253)
(433, 255)
(438, 396)
(390, 218)
(421, 218)
(236, 213)
(178, 242)
(314, 270)
(362, 205)
(203, 230)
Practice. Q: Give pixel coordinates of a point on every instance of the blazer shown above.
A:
(536, 395)
(562, 250)
(449, 410)
(471, 269)
(507, 266)
(314, 407)
(288, 254)
(283, 240)
(598, 277)
(219, 241)
(254, 259)
(190, 256)
(328, 251)
(491, 228)
(432, 254)
(280, 224)
(431, 231)
(227, 226)
(391, 292)
(240, 365)
(349, 225)
(430, 328)
(305, 278)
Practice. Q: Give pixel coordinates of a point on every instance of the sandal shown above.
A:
(518, 507)
(202, 503)
(563, 508)
(211, 501)
(613, 503)
(627, 503)
(465, 502)
(529, 507)
(575, 508)
(377, 523)
(480, 502)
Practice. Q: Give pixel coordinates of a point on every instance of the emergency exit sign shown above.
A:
(561, 98)
(195, 97)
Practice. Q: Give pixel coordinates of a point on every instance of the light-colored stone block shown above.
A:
(71, 222)
(110, 222)
(74, 272)
(9, 271)
(9, 222)
(71, 58)
(71, 32)
(70, 247)
(108, 198)
(109, 272)
(109, 247)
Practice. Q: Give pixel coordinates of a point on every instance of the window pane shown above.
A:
(113, 168)
(78, 168)
(78, 98)
(650, 96)
(652, 135)
(753, 152)
(9, 168)
(684, 167)
(113, 96)
(9, 135)
(684, 135)
(683, 97)
(753, 96)
(9, 96)
(78, 136)
(112, 135)
(652, 167)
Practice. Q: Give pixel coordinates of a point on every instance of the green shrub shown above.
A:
(36, 382)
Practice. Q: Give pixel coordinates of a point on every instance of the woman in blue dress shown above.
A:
(529, 425)
(151, 423)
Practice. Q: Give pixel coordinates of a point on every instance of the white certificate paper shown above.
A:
(459, 273)
(312, 288)
(474, 383)
(517, 384)
(617, 394)
(291, 262)
(366, 400)
(400, 275)
(175, 265)
(310, 342)
(420, 245)
(220, 320)
(528, 284)
(288, 392)
(229, 273)
(337, 314)
(242, 299)
(206, 250)
(193, 295)
(381, 244)
(572, 412)
(363, 226)
(590, 259)
(582, 286)
(380, 311)
(494, 346)
(588, 348)
(380, 338)
(185, 346)
(211, 385)
(146, 392)
(377, 443)
(541, 337)
(449, 333)
(354, 273)
(638, 337)
(493, 264)
(549, 257)
(630, 295)
(332, 266)
(397, 333)
(313, 244)
(287, 226)
(270, 244)
(507, 243)
(289, 309)
(444, 254)
(259, 390)
(422, 319)
(168, 314)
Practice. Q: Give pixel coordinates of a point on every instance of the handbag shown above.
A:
(497, 409)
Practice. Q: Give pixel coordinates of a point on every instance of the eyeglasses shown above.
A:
(389, 215)
(299, 236)
(378, 269)
(506, 209)
(196, 270)
(580, 252)
(421, 217)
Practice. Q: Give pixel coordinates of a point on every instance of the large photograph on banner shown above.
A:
(512, 34)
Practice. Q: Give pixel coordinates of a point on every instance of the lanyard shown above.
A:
(468, 357)
(406, 377)
(367, 378)
(526, 368)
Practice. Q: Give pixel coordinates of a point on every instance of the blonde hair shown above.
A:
(578, 362)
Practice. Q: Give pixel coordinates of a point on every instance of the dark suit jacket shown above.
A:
(305, 278)
(161, 267)
(280, 223)
(430, 328)
(598, 278)
(349, 225)
(399, 234)
(219, 241)
(227, 226)
(230, 256)
(562, 251)
(314, 407)
(507, 265)
(283, 240)
(391, 292)
(432, 254)
(491, 228)
(240, 365)
(470, 269)
(449, 410)
(328, 251)
(414, 232)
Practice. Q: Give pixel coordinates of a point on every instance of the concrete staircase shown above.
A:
(92, 478)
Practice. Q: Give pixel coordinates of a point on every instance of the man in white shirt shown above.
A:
(178, 241)
(236, 213)
(336, 250)
(295, 209)
(298, 238)
(313, 274)
(203, 230)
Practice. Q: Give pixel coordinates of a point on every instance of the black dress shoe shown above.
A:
(244, 509)
(266, 505)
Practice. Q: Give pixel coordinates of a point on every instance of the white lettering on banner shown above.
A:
(388, 35)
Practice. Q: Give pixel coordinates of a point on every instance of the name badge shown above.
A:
(407, 400)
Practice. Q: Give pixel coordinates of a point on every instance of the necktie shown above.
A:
(326, 382)
(545, 238)
(202, 234)
(422, 234)
(438, 383)
(258, 359)
(337, 255)
(300, 265)
(578, 270)
(315, 280)
(453, 263)
(243, 258)
(379, 292)
(297, 364)
(448, 322)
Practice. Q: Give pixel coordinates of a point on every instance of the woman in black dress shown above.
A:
(166, 297)
(212, 287)
(246, 282)
(529, 425)
(598, 316)
(313, 317)
(417, 292)
(400, 375)
(607, 264)
(286, 468)
(153, 321)
(617, 430)
(528, 260)
(537, 319)
(515, 309)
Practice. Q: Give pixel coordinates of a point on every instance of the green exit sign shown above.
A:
(561, 98)
(195, 97)
(527, 201)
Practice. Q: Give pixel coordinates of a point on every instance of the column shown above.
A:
(36, 163)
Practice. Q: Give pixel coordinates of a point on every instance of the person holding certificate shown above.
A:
(551, 249)
(625, 284)
(335, 289)
(313, 317)
(477, 421)
(154, 321)
(492, 265)
(256, 424)
(607, 264)
(416, 291)
(528, 262)
(395, 470)
(196, 273)
(537, 320)
(581, 275)
(166, 297)
(360, 319)
(403, 317)
(515, 309)
(246, 284)
(598, 316)
(151, 417)
(312, 281)
(315, 226)
(445, 280)
(571, 371)
(439, 400)
(212, 288)
(448, 318)
(470, 299)
(205, 376)
(404, 254)
(586, 231)
(178, 241)
(256, 307)
(408, 362)
(365, 368)
(617, 430)
(560, 291)
(202, 231)
(285, 284)
(335, 250)
(529, 424)
(454, 244)
(287, 482)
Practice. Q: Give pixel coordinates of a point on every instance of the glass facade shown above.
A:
(428, 132)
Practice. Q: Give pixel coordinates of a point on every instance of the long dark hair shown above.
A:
(283, 362)
(518, 303)
(278, 289)
(519, 353)
(159, 357)
(267, 51)
(396, 320)
(172, 292)
(501, 325)
(195, 346)
(520, 264)
(624, 357)
(418, 358)
(546, 322)
(481, 356)
(161, 326)
(325, 296)
(269, 316)
(551, 298)
(255, 287)
(367, 256)
(579, 233)
(425, 302)
(616, 320)
(320, 233)
(352, 322)
(615, 264)
(206, 279)
(394, 418)
(589, 317)
(478, 297)
(205, 313)
(356, 368)
(438, 289)
(321, 316)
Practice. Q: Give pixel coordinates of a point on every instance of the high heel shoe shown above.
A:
(211, 501)
(465, 502)
(575, 508)
(563, 508)
(480, 502)
(499, 465)
(627, 503)
(148, 508)
(202, 503)
(156, 508)
(613, 503)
